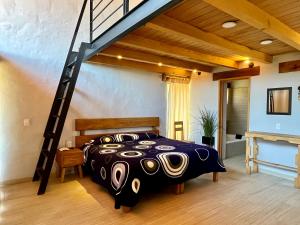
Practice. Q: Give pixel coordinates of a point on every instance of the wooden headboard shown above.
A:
(84, 125)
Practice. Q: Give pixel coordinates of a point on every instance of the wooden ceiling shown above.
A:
(190, 36)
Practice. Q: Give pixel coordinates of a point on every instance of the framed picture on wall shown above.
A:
(279, 101)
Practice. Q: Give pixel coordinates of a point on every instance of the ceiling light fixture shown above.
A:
(159, 64)
(266, 42)
(194, 71)
(119, 57)
(229, 24)
(247, 61)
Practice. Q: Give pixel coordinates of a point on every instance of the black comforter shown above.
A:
(127, 164)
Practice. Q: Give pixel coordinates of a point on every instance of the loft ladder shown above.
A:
(56, 120)
(59, 110)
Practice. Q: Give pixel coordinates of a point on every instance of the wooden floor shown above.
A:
(235, 199)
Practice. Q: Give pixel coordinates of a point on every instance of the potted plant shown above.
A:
(208, 121)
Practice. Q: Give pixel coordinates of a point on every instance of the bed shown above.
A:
(130, 163)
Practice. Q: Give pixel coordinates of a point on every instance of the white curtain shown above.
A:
(178, 108)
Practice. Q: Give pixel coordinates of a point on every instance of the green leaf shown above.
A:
(208, 121)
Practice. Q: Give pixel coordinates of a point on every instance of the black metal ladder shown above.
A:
(57, 117)
(59, 110)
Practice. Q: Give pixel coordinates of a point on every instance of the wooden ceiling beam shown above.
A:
(175, 51)
(140, 56)
(258, 18)
(113, 61)
(240, 73)
(186, 31)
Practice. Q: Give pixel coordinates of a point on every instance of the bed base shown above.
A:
(179, 189)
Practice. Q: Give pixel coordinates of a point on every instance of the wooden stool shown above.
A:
(69, 158)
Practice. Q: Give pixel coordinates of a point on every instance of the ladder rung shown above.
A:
(49, 135)
(40, 172)
(45, 152)
(68, 73)
(71, 64)
(74, 56)
(67, 80)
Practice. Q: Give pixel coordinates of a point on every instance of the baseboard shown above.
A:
(277, 172)
(21, 180)
(15, 181)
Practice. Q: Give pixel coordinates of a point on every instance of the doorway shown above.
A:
(234, 99)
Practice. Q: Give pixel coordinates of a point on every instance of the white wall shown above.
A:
(34, 40)
(204, 93)
(259, 121)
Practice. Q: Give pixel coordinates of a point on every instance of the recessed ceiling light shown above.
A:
(266, 42)
(159, 64)
(229, 24)
(119, 57)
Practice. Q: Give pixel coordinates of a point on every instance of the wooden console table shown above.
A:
(292, 139)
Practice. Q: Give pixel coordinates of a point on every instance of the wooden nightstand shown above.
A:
(69, 158)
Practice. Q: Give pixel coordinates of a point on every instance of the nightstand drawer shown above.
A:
(72, 160)
(69, 158)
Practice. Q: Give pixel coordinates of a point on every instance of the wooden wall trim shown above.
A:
(115, 123)
(290, 66)
(240, 73)
(220, 118)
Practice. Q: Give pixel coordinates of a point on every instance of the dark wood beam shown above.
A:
(240, 73)
(290, 66)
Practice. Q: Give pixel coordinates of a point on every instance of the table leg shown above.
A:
(297, 159)
(255, 153)
(247, 160)
(62, 175)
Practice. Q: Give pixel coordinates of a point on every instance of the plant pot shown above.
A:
(208, 141)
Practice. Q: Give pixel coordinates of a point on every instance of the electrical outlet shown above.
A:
(26, 122)
(277, 126)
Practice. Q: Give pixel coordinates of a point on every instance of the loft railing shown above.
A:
(105, 13)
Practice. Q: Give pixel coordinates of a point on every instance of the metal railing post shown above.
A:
(125, 7)
(91, 20)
